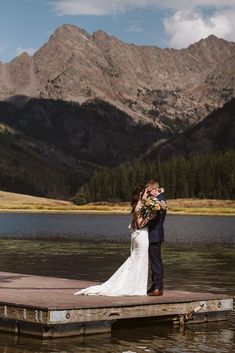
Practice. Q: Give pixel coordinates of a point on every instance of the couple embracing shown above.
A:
(147, 233)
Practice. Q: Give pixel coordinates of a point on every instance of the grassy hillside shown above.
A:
(12, 202)
(26, 169)
(50, 148)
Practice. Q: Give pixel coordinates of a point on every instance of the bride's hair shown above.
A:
(136, 196)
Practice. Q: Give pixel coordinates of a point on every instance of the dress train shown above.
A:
(131, 278)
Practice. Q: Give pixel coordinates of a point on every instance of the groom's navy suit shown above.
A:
(156, 237)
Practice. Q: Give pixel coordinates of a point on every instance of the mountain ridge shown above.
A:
(216, 133)
(146, 82)
(51, 147)
(85, 101)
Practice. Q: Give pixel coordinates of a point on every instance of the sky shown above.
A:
(25, 25)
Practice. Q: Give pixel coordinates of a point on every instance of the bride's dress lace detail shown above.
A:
(131, 278)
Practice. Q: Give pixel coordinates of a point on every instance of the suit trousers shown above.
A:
(155, 258)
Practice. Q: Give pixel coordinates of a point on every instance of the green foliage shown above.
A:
(80, 199)
(51, 147)
(200, 176)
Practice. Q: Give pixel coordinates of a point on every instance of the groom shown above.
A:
(156, 237)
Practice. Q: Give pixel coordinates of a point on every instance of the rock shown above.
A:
(159, 85)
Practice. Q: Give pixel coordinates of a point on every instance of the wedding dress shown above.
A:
(131, 278)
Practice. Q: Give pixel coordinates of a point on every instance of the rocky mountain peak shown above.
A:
(17, 75)
(66, 34)
(212, 39)
(162, 86)
(68, 29)
(23, 56)
(100, 35)
(211, 43)
(20, 59)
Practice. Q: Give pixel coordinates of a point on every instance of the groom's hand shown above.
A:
(163, 205)
(145, 195)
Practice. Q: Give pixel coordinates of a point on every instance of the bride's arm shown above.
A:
(140, 221)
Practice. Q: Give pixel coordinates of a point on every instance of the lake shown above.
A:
(179, 229)
(199, 255)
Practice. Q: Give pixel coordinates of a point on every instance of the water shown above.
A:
(199, 255)
(179, 229)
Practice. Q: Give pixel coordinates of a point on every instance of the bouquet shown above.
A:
(150, 206)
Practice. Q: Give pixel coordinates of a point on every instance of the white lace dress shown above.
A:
(131, 278)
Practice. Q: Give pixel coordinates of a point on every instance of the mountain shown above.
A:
(50, 147)
(171, 88)
(85, 101)
(216, 133)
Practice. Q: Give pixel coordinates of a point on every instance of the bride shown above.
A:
(131, 278)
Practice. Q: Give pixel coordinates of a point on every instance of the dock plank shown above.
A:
(45, 302)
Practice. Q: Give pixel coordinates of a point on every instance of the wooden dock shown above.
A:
(46, 307)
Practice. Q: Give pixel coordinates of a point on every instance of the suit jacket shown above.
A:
(155, 226)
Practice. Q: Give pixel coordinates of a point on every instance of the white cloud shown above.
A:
(110, 7)
(189, 4)
(135, 27)
(100, 7)
(188, 26)
(20, 50)
(186, 21)
(83, 7)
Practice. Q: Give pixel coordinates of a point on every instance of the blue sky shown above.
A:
(25, 25)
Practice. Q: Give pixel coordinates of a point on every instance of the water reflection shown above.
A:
(186, 266)
(179, 229)
(88, 247)
(65, 226)
(212, 337)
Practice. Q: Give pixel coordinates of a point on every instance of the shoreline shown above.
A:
(18, 203)
(185, 212)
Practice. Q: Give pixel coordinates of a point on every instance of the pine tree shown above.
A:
(202, 176)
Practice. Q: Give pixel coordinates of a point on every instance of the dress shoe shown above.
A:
(150, 290)
(156, 293)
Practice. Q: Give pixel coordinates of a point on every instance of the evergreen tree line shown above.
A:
(14, 183)
(200, 176)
